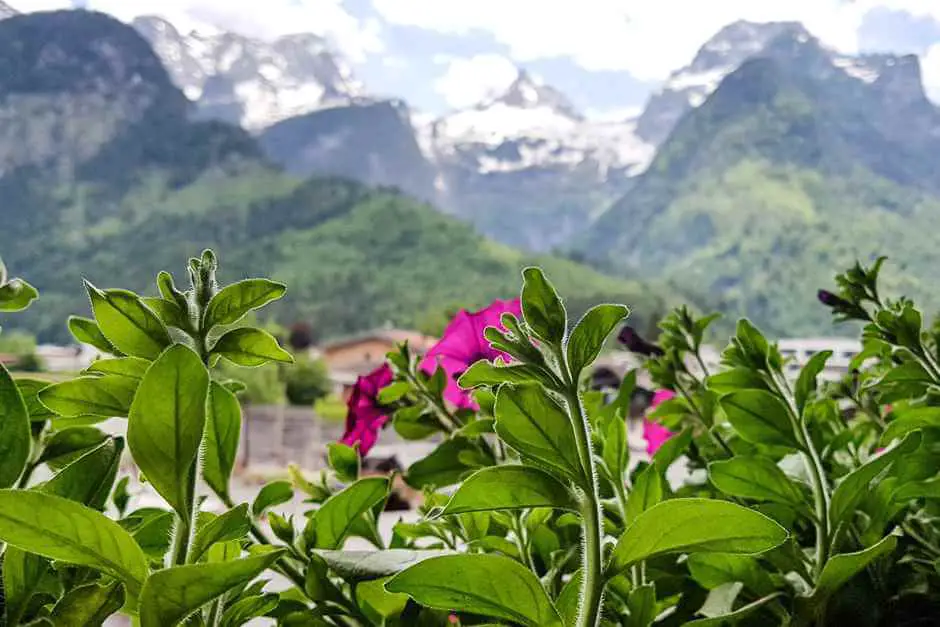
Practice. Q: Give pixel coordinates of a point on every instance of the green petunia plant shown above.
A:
(803, 502)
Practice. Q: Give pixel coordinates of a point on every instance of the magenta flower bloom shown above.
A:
(463, 345)
(654, 433)
(365, 416)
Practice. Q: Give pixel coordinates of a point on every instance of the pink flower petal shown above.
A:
(464, 344)
(364, 415)
(654, 433)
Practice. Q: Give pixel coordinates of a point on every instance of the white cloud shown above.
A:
(648, 38)
(28, 6)
(471, 80)
(930, 66)
(353, 36)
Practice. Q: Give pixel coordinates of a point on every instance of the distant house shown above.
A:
(350, 357)
(67, 358)
(796, 352)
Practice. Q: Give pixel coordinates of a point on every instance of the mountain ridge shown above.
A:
(157, 186)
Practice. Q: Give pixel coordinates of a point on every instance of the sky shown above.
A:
(606, 55)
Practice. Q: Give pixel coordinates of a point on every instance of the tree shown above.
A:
(307, 381)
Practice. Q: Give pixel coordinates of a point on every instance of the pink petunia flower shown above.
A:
(364, 415)
(463, 344)
(654, 433)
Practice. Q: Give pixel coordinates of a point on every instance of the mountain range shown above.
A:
(750, 177)
(108, 172)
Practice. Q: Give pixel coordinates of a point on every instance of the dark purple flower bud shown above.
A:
(829, 299)
(636, 344)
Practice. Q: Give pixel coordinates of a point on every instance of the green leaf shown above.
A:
(344, 460)
(69, 444)
(242, 611)
(542, 308)
(443, 467)
(332, 522)
(15, 433)
(393, 392)
(223, 430)
(250, 347)
(856, 484)
(755, 477)
(648, 489)
(672, 449)
(377, 603)
(484, 372)
(918, 490)
(127, 367)
(232, 525)
(476, 428)
(759, 417)
(169, 312)
(86, 331)
(16, 295)
(128, 324)
(732, 618)
(841, 568)
(489, 585)
(29, 390)
(88, 605)
(642, 605)
(588, 336)
(615, 451)
(363, 565)
(806, 383)
(109, 396)
(734, 380)
(63, 530)
(537, 427)
(568, 600)
(22, 572)
(88, 480)
(695, 525)
(509, 487)
(910, 420)
(711, 570)
(234, 301)
(166, 424)
(172, 594)
(272, 495)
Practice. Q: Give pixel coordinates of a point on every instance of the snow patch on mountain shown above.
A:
(7, 11)
(533, 125)
(253, 82)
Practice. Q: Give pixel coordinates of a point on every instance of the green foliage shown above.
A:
(548, 523)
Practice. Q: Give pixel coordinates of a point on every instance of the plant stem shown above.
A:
(185, 525)
(282, 565)
(817, 476)
(592, 586)
(720, 441)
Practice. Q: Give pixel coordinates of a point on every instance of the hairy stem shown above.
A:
(817, 476)
(592, 584)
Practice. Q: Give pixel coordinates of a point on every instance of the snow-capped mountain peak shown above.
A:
(249, 81)
(529, 125)
(527, 92)
(732, 46)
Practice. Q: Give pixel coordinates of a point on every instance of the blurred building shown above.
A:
(796, 352)
(349, 357)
